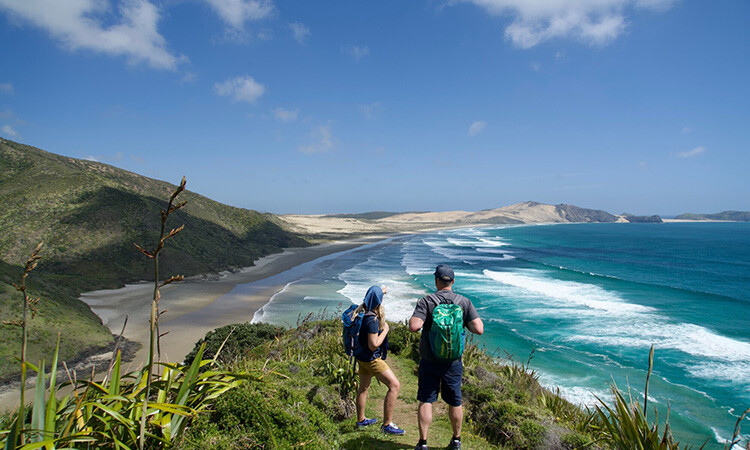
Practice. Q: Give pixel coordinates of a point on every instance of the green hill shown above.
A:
(89, 215)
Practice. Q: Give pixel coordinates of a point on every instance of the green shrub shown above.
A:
(402, 341)
(575, 440)
(533, 433)
(281, 419)
(242, 337)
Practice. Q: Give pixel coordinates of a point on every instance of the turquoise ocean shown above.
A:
(588, 299)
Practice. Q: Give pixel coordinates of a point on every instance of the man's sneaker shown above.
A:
(454, 444)
(421, 447)
(366, 422)
(391, 428)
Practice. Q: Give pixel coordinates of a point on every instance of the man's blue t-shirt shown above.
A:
(370, 325)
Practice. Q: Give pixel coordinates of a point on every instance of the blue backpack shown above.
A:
(350, 335)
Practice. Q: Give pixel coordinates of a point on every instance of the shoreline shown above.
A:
(200, 303)
(192, 307)
(203, 303)
(698, 221)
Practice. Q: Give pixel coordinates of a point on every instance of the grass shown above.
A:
(146, 409)
(89, 214)
(308, 400)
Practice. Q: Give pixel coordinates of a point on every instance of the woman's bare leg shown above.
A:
(389, 379)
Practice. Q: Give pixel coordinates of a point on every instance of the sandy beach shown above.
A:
(200, 304)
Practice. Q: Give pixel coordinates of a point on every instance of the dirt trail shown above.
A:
(405, 416)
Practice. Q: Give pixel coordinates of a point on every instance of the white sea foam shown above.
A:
(476, 243)
(462, 242)
(493, 250)
(401, 297)
(414, 260)
(578, 395)
(570, 292)
(685, 337)
(474, 232)
(465, 250)
(450, 252)
(258, 316)
(738, 372)
(494, 242)
(744, 438)
(604, 319)
(312, 298)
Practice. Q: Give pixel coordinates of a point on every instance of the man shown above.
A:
(436, 376)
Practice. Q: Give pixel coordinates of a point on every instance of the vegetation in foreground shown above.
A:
(145, 409)
(295, 388)
(306, 399)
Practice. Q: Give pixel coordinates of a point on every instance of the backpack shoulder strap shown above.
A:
(445, 300)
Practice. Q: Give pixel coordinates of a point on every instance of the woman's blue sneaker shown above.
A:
(366, 422)
(391, 428)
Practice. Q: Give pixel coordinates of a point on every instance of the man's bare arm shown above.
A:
(415, 324)
(476, 326)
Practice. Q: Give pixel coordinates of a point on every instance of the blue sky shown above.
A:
(640, 106)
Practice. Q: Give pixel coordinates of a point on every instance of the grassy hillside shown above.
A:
(89, 215)
(306, 398)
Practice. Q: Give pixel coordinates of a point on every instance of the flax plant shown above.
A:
(624, 425)
(155, 336)
(148, 408)
(29, 307)
(736, 439)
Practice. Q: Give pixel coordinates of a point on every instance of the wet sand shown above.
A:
(200, 304)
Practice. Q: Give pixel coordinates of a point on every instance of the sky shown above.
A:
(638, 106)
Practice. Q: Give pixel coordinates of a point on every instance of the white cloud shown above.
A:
(130, 31)
(477, 127)
(285, 115)
(535, 66)
(7, 88)
(324, 140)
(9, 131)
(241, 89)
(686, 130)
(355, 51)
(299, 31)
(692, 152)
(92, 158)
(264, 35)
(188, 77)
(236, 12)
(594, 21)
(643, 166)
(369, 111)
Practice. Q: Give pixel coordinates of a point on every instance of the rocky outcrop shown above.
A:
(642, 219)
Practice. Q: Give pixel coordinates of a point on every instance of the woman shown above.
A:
(372, 338)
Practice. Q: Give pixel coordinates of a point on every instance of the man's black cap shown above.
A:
(444, 272)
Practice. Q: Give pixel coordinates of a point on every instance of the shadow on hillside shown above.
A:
(110, 220)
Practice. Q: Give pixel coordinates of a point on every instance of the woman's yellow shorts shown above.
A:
(372, 367)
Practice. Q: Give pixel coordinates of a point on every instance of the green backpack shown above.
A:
(447, 334)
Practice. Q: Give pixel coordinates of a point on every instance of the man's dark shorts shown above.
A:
(444, 378)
